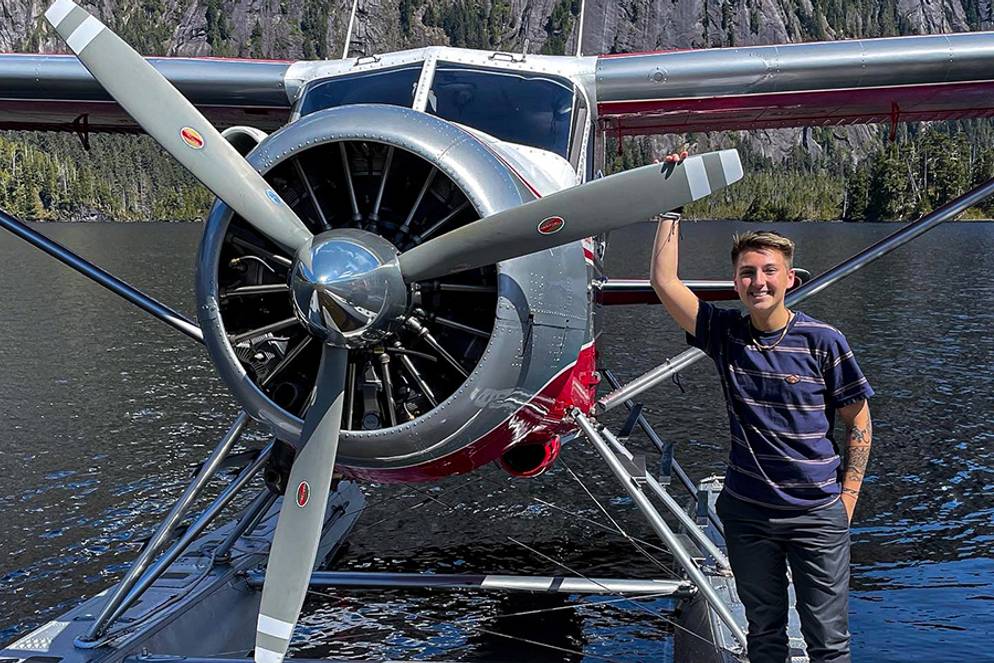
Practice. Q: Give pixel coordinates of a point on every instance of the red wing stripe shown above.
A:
(823, 107)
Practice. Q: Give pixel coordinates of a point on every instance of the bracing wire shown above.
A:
(348, 32)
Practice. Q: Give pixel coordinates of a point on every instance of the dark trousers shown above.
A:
(816, 546)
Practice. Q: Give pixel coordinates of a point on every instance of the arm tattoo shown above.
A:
(856, 461)
(858, 452)
(860, 435)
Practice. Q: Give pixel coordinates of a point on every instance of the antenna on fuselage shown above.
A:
(579, 32)
(348, 32)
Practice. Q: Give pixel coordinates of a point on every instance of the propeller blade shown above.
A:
(572, 214)
(175, 124)
(298, 531)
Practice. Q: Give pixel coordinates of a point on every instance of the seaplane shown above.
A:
(401, 277)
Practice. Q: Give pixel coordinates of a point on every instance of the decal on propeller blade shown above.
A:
(272, 195)
(551, 225)
(192, 138)
(303, 494)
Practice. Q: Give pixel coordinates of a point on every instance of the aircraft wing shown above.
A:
(56, 93)
(941, 77)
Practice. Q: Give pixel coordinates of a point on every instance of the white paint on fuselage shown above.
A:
(546, 171)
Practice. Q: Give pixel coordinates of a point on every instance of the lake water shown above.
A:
(105, 413)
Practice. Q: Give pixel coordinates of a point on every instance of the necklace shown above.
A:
(783, 334)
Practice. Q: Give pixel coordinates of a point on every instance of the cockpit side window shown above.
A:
(390, 86)
(518, 107)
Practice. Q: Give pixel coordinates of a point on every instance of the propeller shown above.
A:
(185, 133)
(349, 302)
(175, 124)
(572, 214)
(298, 530)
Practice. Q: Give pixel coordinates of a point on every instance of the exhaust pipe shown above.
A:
(532, 456)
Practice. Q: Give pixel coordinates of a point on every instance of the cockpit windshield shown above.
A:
(390, 86)
(518, 107)
(514, 106)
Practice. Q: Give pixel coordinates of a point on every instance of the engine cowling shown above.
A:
(508, 329)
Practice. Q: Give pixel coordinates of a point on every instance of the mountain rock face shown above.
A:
(316, 28)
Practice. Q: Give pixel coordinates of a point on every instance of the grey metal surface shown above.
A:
(50, 91)
(879, 249)
(162, 534)
(195, 529)
(243, 138)
(212, 82)
(254, 512)
(702, 637)
(542, 311)
(201, 607)
(797, 67)
(347, 288)
(176, 124)
(660, 526)
(674, 509)
(640, 286)
(546, 584)
(677, 469)
(573, 214)
(104, 278)
(302, 514)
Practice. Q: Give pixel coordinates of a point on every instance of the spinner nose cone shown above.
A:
(347, 288)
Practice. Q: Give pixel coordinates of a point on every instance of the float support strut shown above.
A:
(590, 431)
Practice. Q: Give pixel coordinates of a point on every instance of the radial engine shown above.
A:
(477, 366)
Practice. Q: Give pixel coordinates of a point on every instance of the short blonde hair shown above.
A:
(763, 240)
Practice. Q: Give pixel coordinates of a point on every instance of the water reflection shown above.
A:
(107, 412)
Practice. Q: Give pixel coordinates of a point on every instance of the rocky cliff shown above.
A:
(316, 28)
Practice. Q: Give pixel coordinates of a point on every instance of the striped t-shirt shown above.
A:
(781, 405)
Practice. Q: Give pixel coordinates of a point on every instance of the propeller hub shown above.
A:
(347, 287)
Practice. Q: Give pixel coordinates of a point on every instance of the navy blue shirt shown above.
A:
(781, 405)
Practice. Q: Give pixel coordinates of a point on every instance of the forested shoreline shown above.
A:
(128, 178)
(925, 166)
(50, 177)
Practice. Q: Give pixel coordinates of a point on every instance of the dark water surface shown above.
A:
(105, 413)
